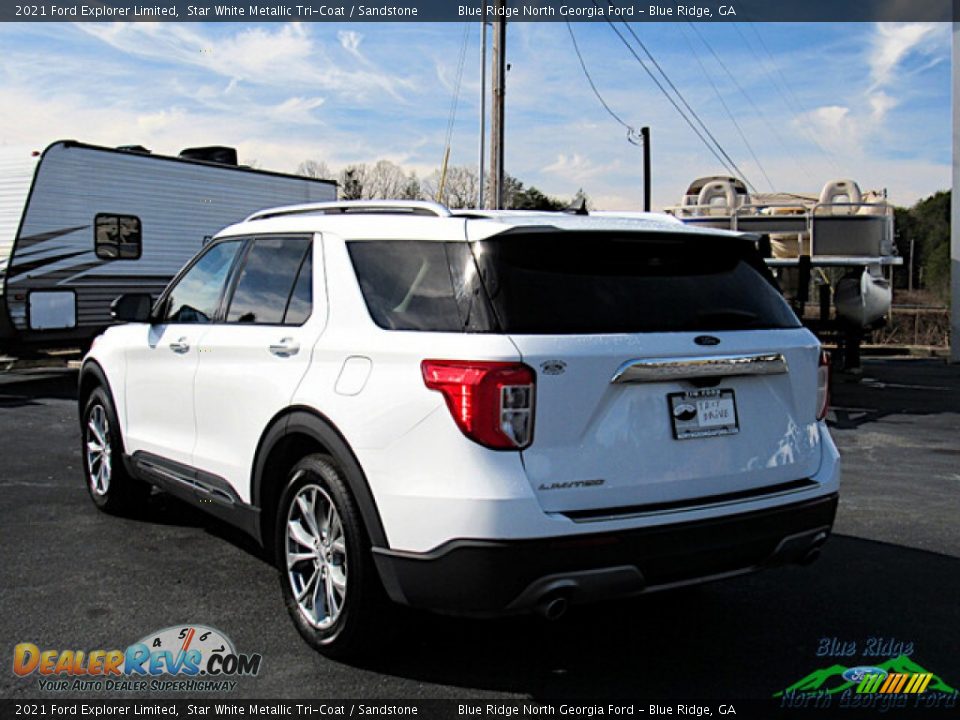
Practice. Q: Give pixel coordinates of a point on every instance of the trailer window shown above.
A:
(117, 237)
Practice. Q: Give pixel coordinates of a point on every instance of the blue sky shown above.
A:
(867, 101)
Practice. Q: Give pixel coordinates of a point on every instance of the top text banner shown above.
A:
(454, 11)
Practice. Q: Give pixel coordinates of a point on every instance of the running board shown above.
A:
(690, 368)
(206, 491)
(165, 472)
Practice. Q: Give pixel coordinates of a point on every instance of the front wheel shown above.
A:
(110, 487)
(327, 575)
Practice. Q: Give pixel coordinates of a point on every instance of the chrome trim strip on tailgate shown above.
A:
(685, 368)
(692, 504)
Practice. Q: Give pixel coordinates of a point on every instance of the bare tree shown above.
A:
(353, 181)
(460, 189)
(386, 180)
(412, 190)
(315, 169)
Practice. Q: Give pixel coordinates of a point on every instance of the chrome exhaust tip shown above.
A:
(552, 608)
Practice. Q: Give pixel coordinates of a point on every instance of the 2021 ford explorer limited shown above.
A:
(476, 413)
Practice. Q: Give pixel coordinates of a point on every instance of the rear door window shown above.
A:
(266, 280)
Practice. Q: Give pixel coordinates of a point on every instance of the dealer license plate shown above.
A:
(703, 413)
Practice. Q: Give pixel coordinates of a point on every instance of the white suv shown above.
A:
(472, 412)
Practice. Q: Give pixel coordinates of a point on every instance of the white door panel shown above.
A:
(249, 372)
(161, 365)
(240, 385)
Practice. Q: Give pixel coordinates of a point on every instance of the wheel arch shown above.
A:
(291, 435)
(91, 377)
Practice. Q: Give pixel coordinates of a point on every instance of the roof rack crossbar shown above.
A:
(399, 207)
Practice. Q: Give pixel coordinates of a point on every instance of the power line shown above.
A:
(454, 101)
(753, 105)
(631, 131)
(726, 108)
(687, 105)
(670, 99)
(790, 97)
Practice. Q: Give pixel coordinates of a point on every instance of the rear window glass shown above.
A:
(612, 283)
(570, 283)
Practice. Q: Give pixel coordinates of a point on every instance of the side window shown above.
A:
(420, 285)
(266, 282)
(300, 306)
(117, 237)
(196, 296)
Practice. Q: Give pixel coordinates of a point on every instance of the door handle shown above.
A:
(285, 348)
(180, 346)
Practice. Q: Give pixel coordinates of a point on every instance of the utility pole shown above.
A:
(496, 121)
(645, 134)
(483, 103)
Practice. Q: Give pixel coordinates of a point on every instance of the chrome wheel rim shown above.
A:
(98, 451)
(316, 556)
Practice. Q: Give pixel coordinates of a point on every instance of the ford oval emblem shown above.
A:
(856, 674)
(706, 340)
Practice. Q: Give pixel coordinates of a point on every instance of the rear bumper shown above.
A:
(489, 577)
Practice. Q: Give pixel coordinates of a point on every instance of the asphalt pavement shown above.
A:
(74, 578)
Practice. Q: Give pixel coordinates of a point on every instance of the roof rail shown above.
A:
(388, 207)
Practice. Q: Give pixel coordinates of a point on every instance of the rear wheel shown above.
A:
(111, 488)
(327, 575)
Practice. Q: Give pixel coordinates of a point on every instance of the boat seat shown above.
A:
(717, 197)
(845, 192)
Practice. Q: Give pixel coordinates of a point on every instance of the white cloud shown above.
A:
(350, 41)
(285, 93)
(577, 167)
(892, 44)
(284, 55)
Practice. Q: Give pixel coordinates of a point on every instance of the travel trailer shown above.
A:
(81, 224)
(844, 233)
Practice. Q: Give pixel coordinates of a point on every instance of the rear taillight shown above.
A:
(491, 402)
(823, 385)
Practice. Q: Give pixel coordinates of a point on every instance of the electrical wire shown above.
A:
(632, 135)
(753, 105)
(788, 96)
(729, 112)
(676, 90)
(454, 101)
(728, 166)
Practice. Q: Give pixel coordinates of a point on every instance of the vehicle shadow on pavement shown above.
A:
(165, 509)
(933, 387)
(748, 637)
(27, 386)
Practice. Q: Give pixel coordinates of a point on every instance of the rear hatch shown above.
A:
(670, 371)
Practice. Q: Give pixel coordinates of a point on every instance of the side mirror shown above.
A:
(132, 307)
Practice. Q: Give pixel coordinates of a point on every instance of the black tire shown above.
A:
(346, 630)
(109, 485)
